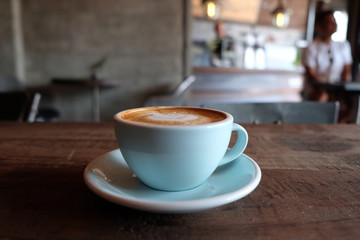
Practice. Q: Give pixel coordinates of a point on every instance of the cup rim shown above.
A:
(228, 118)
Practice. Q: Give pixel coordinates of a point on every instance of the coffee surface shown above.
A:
(173, 116)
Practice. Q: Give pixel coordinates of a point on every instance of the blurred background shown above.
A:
(89, 59)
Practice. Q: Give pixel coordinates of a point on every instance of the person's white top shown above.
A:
(328, 59)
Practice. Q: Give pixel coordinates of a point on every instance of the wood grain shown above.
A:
(310, 187)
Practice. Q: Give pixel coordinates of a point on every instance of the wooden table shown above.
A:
(310, 187)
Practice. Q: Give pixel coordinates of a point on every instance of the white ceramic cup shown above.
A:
(177, 157)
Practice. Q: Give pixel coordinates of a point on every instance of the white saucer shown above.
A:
(109, 177)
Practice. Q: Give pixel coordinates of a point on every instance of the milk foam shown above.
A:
(173, 116)
(178, 117)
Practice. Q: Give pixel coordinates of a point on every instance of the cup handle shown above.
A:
(238, 148)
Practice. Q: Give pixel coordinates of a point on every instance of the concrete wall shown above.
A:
(143, 43)
(6, 46)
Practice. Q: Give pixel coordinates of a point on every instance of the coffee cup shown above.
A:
(176, 148)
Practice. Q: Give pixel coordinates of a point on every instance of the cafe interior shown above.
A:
(86, 60)
(288, 167)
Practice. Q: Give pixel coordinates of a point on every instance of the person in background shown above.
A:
(326, 61)
(222, 47)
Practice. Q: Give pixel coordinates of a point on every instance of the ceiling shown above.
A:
(232, 10)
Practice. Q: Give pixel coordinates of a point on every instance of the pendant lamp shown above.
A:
(281, 15)
(212, 9)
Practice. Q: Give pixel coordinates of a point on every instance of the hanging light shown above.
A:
(212, 8)
(281, 16)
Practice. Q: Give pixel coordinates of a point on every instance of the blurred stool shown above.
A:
(178, 97)
(47, 115)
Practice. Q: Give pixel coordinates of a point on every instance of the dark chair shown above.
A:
(19, 106)
(281, 112)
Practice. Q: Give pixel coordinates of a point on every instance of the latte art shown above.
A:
(179, 117)
(173, 115)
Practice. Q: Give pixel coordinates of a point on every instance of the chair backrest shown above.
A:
(175, 98)
(281, 112)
